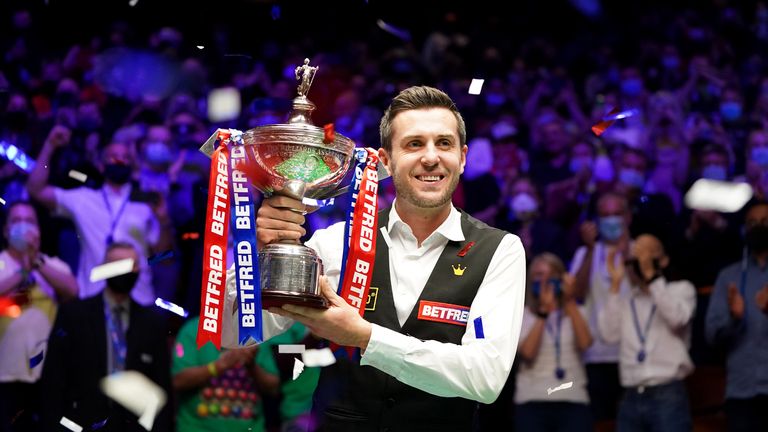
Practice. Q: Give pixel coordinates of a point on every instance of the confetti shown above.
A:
(600, 128)
(321, 357)
(190, 236)
(171, 307)
(133, 3)
(200, 47)
(160, 257)
(717, 195)
(136, 393)
(99, 425)
(36, 360)
(275, 12)
(397, 32)
(329, 133)
(479, 334)
(476, 86)
(111, 269)
(621, 115)
(69, 424)
(2, 201)
(290, 349)
(563, 386)
(77, 175)
(223, 104)
(298, 368)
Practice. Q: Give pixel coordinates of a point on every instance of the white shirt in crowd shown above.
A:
(93, 218)
(668, 337)
(535, 378)
(478, 368)
(601, 351)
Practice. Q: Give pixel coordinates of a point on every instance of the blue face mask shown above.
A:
(17, 235)
(632, 178)
(759, 155)
(157, 153)
(580, 163)
(557, 284)
(631, 86)
(730, 110)
(611, 227)
(714, 172)
(670, 62)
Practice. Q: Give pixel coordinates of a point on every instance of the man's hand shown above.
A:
(59, 136)
(615, 265)
(279, 218)
(735, 301)
(340, 323)
(588, 231)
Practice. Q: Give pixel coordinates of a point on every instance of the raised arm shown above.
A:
(37, 183)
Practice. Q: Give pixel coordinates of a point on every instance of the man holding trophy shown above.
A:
(436, 323)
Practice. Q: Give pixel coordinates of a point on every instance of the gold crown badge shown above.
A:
(458, 271)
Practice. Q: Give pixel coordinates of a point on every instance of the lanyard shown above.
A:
(115, 218)
(641, 335)
(559, 371)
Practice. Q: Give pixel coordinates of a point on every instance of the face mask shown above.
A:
(714, 172)
(603, 169)
(524, 206)
(17, 235)
(611, 227)
(117, 173)
(556, 283)
(124, 283)
(88, 124)
(632, 178)
(579, 164)
(631, 87)
(760, 156)
(157, 153)
(730, 110)
(756, 238)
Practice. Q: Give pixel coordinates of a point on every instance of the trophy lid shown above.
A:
(301, 112)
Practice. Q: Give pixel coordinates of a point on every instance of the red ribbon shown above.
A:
(213, 288)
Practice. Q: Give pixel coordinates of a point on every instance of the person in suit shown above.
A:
(98, 336)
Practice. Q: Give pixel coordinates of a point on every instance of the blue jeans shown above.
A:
(553, 417)
(662, 408)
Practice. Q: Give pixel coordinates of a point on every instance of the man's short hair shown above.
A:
(418, 97)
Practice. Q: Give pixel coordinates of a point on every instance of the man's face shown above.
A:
(427, 158)
(117, 153)
(757, 215)
(22, 213)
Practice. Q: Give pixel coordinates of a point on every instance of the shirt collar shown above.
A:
(449, 229)
(111, 302)
(125, 190)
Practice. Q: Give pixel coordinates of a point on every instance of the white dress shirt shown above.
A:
(601, 351)
(478, 368)
(93, 219)
(668, 336)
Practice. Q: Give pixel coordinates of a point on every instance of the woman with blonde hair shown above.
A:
(551, 388)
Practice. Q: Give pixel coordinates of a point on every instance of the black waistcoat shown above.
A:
(350, 397)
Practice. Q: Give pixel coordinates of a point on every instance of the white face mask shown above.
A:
(524, 206)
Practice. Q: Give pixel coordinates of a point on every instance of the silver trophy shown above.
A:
(292, 159)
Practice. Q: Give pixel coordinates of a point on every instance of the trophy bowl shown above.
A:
(293, 160)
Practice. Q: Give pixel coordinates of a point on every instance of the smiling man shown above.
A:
(450, 289)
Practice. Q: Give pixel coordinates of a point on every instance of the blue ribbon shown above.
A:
(361, 156)
(243, 228)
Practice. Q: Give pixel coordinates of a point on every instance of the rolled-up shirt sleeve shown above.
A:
(478, 368)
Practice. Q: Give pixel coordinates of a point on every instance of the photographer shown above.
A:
(553, 337)
(653, 328)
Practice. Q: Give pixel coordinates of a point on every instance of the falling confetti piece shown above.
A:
(136, 393)
(275, 12)
(223, 104)
(320, 357)
(298, 368)
(476, 86)
(721, 196)
(99, 425)
(479, 334)
(600, 128)
(397, 32)
(171, 307)
(133, 3)
(329, 133)
(563, 386)
(621, 115)
(77, 175)
(290, 349)
(36, 360)
(2, 201)
(160, 257)
(111, 269)
(200, 47)
(69, 424)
